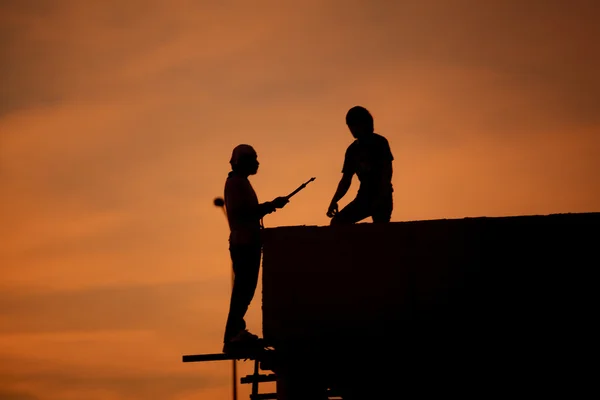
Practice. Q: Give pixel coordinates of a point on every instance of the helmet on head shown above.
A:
(241, 151)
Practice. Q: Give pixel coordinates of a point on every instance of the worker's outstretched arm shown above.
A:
(241, 204)
(341, 191)
(270, 206)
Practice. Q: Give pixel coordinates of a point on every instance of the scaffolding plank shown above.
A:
(219, 357)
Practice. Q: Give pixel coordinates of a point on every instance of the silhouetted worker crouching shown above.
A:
(370, 158)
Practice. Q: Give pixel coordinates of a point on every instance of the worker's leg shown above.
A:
(246, 264)
(382, 209)
(354, 212)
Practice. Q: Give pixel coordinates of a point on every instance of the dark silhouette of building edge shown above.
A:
(470, 307)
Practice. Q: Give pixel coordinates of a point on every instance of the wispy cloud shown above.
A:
(110, 308)
(117, 120)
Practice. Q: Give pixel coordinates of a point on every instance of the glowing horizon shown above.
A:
(118, 119)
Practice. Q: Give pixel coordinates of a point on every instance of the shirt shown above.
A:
(242, 209)
(369, 158)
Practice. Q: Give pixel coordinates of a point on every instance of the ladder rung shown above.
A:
(259, 378)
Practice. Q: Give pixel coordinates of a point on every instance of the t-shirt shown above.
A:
(368, 158)
(242, 205)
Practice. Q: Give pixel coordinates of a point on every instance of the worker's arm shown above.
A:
(341, 191)
(342, 187)
(268, 207)
(265, 208)
(241, 203)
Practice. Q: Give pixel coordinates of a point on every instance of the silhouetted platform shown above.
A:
(450, 301)
(443, 308)
(223, 356)
(259, 357)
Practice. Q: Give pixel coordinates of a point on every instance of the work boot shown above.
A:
(243, 342)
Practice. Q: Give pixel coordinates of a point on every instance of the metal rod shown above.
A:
(234, 361)
(300, 187)
(220, 202)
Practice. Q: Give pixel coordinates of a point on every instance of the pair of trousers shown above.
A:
(379, 209)
(245, 260)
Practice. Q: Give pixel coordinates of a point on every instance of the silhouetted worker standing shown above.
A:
(370, 158)
(244, 214)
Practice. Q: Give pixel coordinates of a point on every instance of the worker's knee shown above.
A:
(340, 219)
(378, 219)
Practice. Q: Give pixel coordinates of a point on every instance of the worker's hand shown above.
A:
(280, 202)
(333, 209)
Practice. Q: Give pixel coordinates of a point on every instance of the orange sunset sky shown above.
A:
(117, 121)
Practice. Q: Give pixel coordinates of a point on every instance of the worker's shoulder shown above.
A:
(373, 140)
(379, 138)
(353, 146)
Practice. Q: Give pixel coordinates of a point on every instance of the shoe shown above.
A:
(243, 342)
(245, 336)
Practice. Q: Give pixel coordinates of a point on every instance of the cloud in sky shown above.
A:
(60, 381)
(123, 342)
(117, 120)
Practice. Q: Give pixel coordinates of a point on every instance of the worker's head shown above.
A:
(359, 121)
(244, 159)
